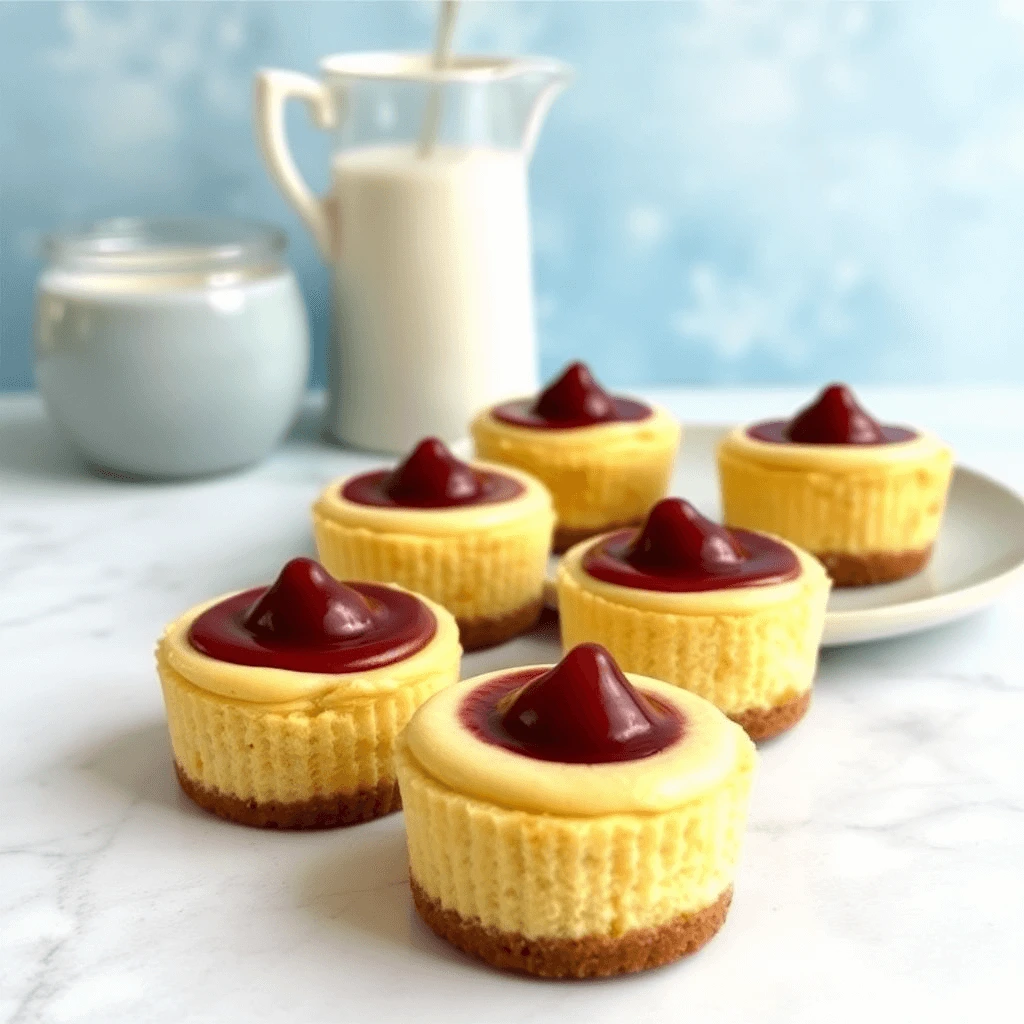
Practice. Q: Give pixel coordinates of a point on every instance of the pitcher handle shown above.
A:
(273, 89)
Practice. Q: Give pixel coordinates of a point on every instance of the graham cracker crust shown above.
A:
(475, 634)
(319, 812)
(594, 956)
(764, 723)
(566, 536)
(871, 567)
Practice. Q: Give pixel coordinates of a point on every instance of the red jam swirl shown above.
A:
(574, 399)
(679, 551)
(431, 477)
(834, 417)
(307, 621)
(581, 711)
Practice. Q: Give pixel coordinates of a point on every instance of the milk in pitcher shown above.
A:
(425, 227)
(435, 296)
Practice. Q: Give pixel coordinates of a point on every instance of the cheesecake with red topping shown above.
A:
(284, 702)
(606, 459)
(735, 616)
(473, 537)
(865, 497)
(573, 820)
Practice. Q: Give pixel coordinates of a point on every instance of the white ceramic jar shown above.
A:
(171, 348)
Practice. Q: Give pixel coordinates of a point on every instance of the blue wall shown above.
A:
(770, 192)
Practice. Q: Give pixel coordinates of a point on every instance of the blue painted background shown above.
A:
(730, 193)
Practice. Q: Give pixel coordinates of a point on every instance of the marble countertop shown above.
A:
(883, 874)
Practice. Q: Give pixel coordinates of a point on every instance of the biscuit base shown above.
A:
(318, 812)
(593, 956)
(567, 536)
(869, 567)
(764, 723)
(475, 634)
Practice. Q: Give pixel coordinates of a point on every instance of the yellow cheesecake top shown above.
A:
(840, 458)
(534, 500)
(709, 751)
(288, 690)
(705, 602)
(661, 427)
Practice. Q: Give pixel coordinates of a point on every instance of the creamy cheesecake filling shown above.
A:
(878, 459)
(581, 711)
(531, 499)
(835, 417)
(454, 754)
(284, 690)
(835, 499)
(615, 435)
(431, 478)
(678, 550)
(307, 621)
(572, 401)
(724, 601)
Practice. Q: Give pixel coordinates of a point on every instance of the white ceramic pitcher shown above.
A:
(426, 225)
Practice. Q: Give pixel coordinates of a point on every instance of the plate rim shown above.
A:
(956, 603)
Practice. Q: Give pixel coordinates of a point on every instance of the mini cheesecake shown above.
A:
(572, 821)
(732, 615)
(472, 536)
(866, 498)
(606, 459)
(284, 702)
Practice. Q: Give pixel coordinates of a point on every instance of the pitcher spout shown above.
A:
(555, 76)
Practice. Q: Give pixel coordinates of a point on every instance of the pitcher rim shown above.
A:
(415, 66)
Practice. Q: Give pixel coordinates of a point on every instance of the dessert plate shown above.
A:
(979, 553)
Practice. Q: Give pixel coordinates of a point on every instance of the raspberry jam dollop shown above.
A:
(581, 711)
(679, 551)
(834, 417)
(431, 477)
(307, 621)
(573, 399)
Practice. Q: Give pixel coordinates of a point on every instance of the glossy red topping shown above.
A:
(834, 417)
(582, 711)
(307, 621)
(679, 551)
(574, 399)
(431, 477)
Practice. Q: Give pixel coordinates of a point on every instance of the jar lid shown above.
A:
(185, 244)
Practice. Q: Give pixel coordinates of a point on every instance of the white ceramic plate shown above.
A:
(979, 552)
